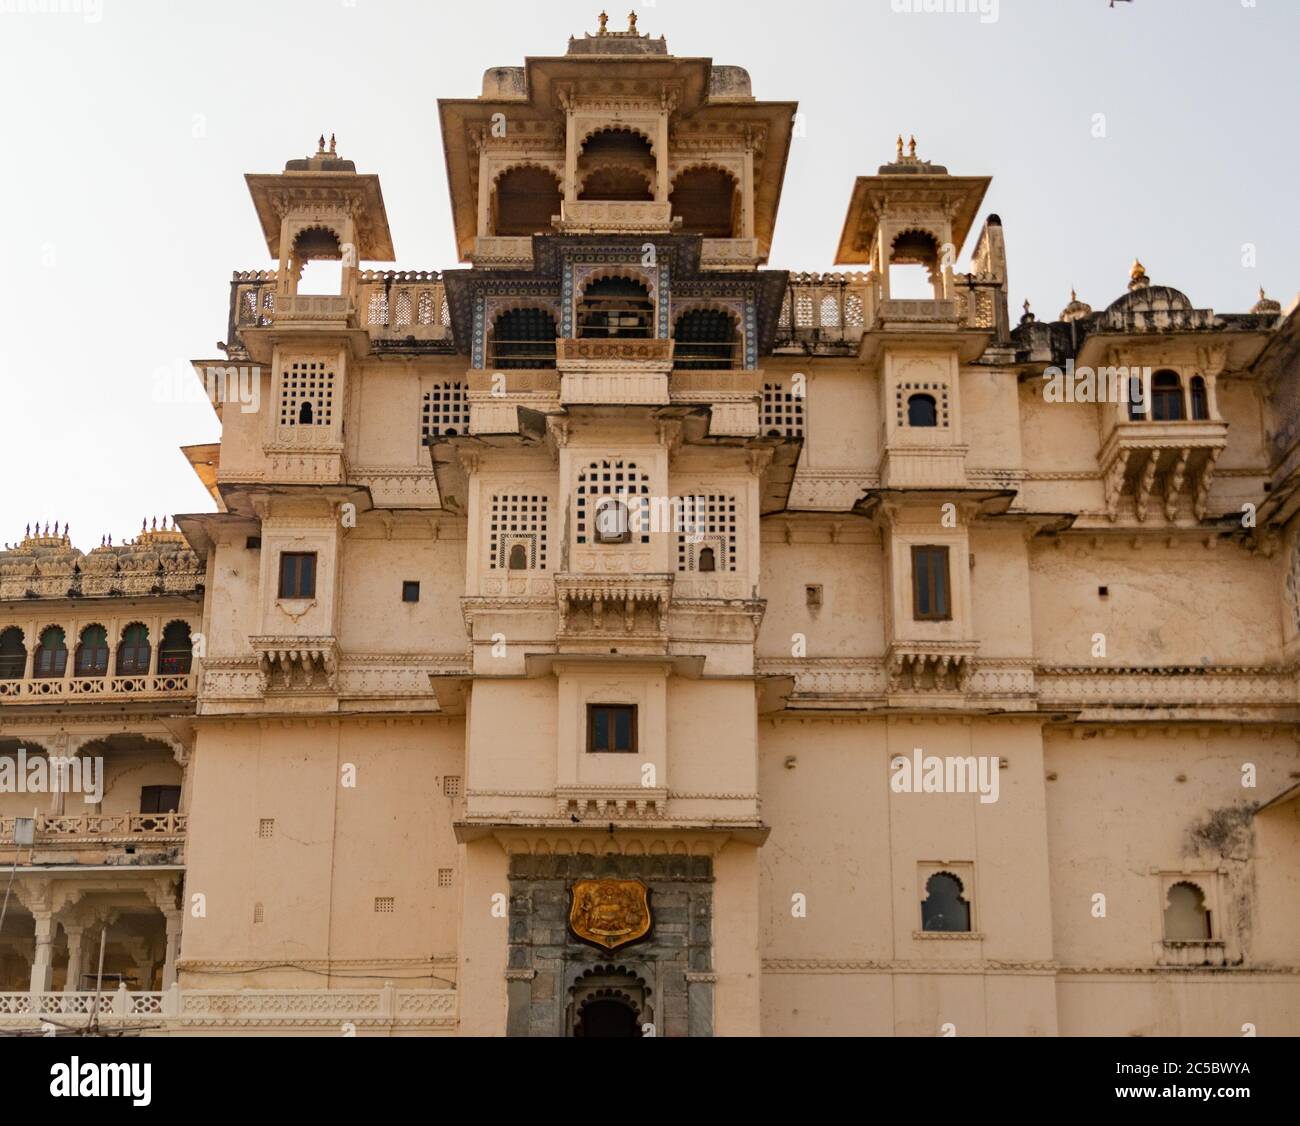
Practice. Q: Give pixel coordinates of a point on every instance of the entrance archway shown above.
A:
(607, 1018)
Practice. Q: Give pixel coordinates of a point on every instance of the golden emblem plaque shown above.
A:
(610, 913)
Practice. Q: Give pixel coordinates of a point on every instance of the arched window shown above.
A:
(1167, 397)
(706, 201)
(1200, 400)
(524, 338)
(616, 307)
(617, 165)
(1186, 917)
(92, 652)
(176, 653)
(944, 908)
(922, 410)
(51, 653)
(13, 654)
(914, 267)
(519, 558)
(527, 199)
(613, 521)
(304, 413)
(706, 560)
(317, 262)
(706, 340)
(133, 651)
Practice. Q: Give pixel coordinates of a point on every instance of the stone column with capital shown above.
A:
(173, 948)
(72, 980)
(43, 962)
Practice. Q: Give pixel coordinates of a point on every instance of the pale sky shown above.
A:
(128, 125)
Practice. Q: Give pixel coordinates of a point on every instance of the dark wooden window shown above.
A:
(1200, 400)
(298, 574)
(133, 651)
(92, 652)
(160, 799)
(1167, 397)
(51, 658)
(945, 907)
(922, 410)
(13, 654)
(931, 598)
(176, 653)
(611, 729)
(410, 591)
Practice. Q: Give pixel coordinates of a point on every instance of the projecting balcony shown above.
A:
(314, 310)
(614, 370)
(1166, 462)
(613, 217)
(729, 254)
(97, 838)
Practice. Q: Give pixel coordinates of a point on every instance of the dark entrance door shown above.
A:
(607, 1019)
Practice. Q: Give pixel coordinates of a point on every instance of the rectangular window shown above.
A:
(931, 601)
(410, 592)
(160, 799)
(298, 574)
(611, 729)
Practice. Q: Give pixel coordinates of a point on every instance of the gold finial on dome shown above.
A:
(320, 146)
(631, 23)
(899, 148)
(1266, 306)
(603, 20)
(1138, 275)
(911, 147)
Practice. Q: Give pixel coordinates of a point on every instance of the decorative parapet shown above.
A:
(1236, 688)
(102, 828)
(940, 311)
(157, 561)
(600, 217)
(127, 688)
(603, 350)
(729, 254)
(180, 1011)
(498, 252)
(611, 802)
(312, 309)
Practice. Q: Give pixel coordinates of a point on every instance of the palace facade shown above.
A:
(618, 635)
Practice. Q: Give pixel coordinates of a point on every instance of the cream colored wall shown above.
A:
(1156, 612)
(373, 617)
(318, 876)
(835, 819)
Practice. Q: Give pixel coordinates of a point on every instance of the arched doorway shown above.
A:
(607, 1018)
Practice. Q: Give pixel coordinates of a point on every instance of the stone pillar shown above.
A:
(43, 962)
(570, 159)
(72, 982)
(662, 187)
(173, 948)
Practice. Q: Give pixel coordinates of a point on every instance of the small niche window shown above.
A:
(160, 799)
(1167, 397)
(945, 907)
(613, 521)
(298, 574)
(706, 560)
(931, 599)
(1187, 918)
(922, 410)
(1200, 400)
(410, 591)
(519, 558)
(611, 729)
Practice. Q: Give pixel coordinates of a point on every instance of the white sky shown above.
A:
(127, 126)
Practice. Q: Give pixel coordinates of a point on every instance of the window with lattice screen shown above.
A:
(936, 391)
(445, 411)
(519, 521)
(782, 413)
(706, 522)
(617, 479)
(307, 393)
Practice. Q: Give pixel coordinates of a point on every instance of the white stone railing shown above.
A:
(41, 689)
(179, 1010)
